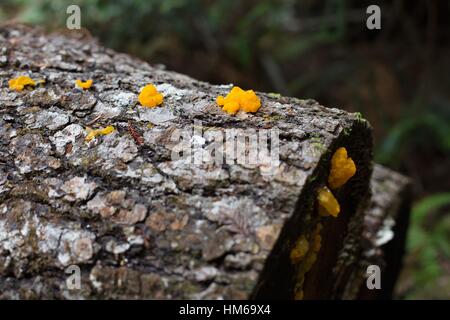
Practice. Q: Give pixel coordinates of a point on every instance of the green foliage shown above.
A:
(428, 245)
(238, 29)
(405, 134)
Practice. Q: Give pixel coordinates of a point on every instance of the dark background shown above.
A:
(397, 77)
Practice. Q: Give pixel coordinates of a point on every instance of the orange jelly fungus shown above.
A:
(20, 83)
(150, 97)
(328, 205)
(91, 134)
(342, 169)
(84, 85)
(238, 99)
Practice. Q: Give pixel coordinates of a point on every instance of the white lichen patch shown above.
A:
(179, 170)
(76, 246)
(3, 180)
(112, 103)
(115, 148)
(200, 107)
(123, 99)
(78, 188)
(288, 175)
(236, 212)
(135, 239)
(83, 249)
(71, 245)
(32, 153)
(9, 98)
(52, 119)
(206, 273)
(238, 261)
(116, 206)
(10, 240)
(155, 115)
(53, 187)
(69, 135)
(132, 237)
(106, 111)
(171, 92)
(59, 245)
(6, 131)
(147, 175)
(116, 247)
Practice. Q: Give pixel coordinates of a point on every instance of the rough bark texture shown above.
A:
(140, 224)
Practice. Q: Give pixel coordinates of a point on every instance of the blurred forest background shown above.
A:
(397, 77)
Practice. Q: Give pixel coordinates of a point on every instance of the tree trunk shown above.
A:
(140, 223)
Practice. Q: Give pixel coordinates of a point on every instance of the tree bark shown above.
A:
(384, 229)
(141, 224)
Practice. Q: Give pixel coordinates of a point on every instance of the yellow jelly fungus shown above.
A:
(20, 83)
(250, 101)
(316, 245)
(311, 255)
(220, 100)
(310, 260)
(150, 97)
(342, 169)
(328, 205)
(231, 107)
(300, 250)
(304, 255)
(93, 133)
(299, 295)
(84, 85)
(238, 99)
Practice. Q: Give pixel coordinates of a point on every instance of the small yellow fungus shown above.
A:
(315, 248)
(238, 99)
(342, 169)
(220, 100)
(316, 238)
(299, 295)
(317, 244)
(231, 107)
(304, 255)
(328, 205)
(93, 133)
(20, 83)
(300, 250)
(150, 97)
(310, 260)
(250, 101)
(84, 85)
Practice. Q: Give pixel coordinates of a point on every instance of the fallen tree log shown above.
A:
(383, 235)
(141, 224)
